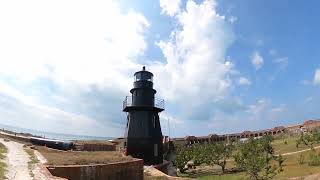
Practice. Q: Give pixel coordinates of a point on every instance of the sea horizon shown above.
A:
(53, 135)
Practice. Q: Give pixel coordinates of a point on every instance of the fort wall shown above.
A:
(307, 126)
(132, 170)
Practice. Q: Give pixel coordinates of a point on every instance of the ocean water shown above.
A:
(51, 135)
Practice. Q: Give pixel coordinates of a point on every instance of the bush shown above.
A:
(257, 158)
(183, 155)
(314, 159)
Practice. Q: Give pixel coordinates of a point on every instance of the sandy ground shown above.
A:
(17, 161)
(296, 152)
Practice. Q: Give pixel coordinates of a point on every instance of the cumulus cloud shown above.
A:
(170, 7)
(257, 60)
(83, 46)
(244, 81)
(316, 79)
(79, 47)
(195, 54)
(86, 54)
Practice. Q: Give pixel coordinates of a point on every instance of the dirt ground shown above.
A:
(17, 161)
(57, 157)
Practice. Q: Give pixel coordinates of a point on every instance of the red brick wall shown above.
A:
(132, 170)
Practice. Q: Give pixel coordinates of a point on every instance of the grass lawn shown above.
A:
(238, 176)
(3, 151)
(56, 157)
(280, 147)
(292, 168)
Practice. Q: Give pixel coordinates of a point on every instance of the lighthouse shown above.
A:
(143, 136)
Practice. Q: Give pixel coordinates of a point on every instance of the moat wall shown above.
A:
(113, 171)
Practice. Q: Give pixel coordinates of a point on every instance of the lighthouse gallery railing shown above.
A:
(159, 103)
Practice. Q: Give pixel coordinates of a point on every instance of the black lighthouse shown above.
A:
(143, 137)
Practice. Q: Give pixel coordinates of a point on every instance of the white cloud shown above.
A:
(193, 51)
(306, 82)
(316, 79)
(95, 44)
(42, 117)
(75, 44)
(87, 43)
(170, 7)
(263, 110)
(282, 62)
(244, 81)
(257, 60)
(258, 108)
(232, 19)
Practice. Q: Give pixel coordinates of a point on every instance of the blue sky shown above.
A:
(221, 66)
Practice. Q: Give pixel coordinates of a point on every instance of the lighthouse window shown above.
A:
(150, 79)
(138, 77)
(154, 121)
(155, 149)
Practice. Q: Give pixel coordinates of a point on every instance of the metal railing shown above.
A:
(159, 103)
(127, 102)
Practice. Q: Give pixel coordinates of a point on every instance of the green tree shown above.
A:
(219, 154)
(183, 155)
(256, 157)
(308, 139)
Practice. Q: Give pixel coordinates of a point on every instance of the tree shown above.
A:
(210, 154)
(309, 139)
(256, 157)
(183, 155)
(220, 153)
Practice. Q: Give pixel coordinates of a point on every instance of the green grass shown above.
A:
(57, 157)
(238, 176)
(3, 151)
(292, 167)
(280, 147)
(33, 159)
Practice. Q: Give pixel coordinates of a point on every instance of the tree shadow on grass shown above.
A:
(200, 172)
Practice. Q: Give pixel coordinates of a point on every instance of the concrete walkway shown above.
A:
(17, 161)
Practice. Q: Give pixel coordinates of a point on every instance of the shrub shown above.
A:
(256, 157)
(314, 159)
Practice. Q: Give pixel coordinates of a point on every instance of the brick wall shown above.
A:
(132, 170)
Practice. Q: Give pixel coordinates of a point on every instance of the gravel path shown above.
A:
(296, 152)
(17, 161)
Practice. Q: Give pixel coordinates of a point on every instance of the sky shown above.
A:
(221, 66)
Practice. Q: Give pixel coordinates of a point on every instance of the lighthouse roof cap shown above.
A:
(143, 71)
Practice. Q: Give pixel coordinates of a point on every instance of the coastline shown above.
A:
(49, 135)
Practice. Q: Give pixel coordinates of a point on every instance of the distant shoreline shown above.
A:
(48, 135)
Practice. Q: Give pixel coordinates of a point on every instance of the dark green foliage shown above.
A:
(221, 152)
(309, 139)
(183, 155)
(257, 158)
(210, 154)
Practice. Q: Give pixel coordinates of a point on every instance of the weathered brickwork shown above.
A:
(307, 126)
(132, 170)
